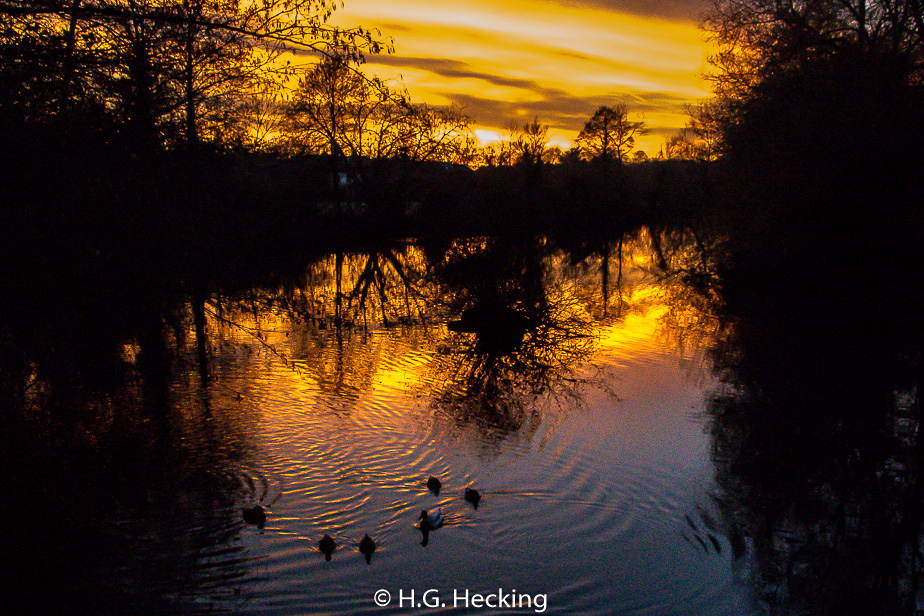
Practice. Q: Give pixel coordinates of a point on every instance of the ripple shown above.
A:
(582, 500)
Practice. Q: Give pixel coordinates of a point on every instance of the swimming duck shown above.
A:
(431, 521)
(327, 545)
(367, 547)
(428, 522)
(255, 515)
(472, 495)
(434, 485)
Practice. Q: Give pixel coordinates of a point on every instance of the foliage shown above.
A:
(762, 43)
(823, 99)
(758, 38)
(532, 144)
(819, 108)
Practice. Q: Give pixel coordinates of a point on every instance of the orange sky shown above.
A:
(506, 60)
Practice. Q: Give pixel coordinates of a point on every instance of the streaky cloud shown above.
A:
(687, 10)
(452, 69)
(567, 112)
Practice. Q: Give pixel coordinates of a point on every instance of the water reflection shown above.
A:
(332, 394)
(508, 328)
(130, 506)
(814, 432)
(518, 335)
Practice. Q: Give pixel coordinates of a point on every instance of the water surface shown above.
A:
(580, 419)
(596, 490)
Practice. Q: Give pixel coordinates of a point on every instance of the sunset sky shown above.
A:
(506, 60)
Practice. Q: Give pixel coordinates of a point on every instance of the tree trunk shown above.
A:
(70, 42)
(192, 132)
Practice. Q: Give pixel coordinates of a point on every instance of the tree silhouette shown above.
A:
(819, 108)
(609, 135)
(511, 147)
(374, 136)
(260, 120)
(705, 128)
(332, 109)
(825, 98)
(338, 110)
(682, 146)
(532, 143)
(167, 69)
(758, 38)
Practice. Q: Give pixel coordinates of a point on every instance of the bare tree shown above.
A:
(259, 122)
(610, 135)
(757, 38)
(502, 152)
(338, 110)
(705, 127)
(170, 68)
(681, 146)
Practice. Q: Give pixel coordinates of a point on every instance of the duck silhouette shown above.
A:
(327, 545)
(367, 547)
(473, 496)
(255, 515)
(430, 521)
(434, 485)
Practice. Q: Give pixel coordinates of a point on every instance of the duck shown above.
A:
(473, 496)
(434, 485)
(255, 515)
(327, 545)
(432, 520)
(428, 522)
(367, 547)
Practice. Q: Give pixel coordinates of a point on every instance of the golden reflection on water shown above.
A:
(633, 337)
(581, 423)
(393, 352)
(581, 420)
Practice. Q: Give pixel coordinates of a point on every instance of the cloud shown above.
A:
(493, 100)
(566, 112)
(553, 104)
(556, 60)
(688, 10)
(451, 69)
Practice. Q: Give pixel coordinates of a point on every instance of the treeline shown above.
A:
(154, 73)
(819, 106)
(173, 136)
(819, 109)
(200, 94)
